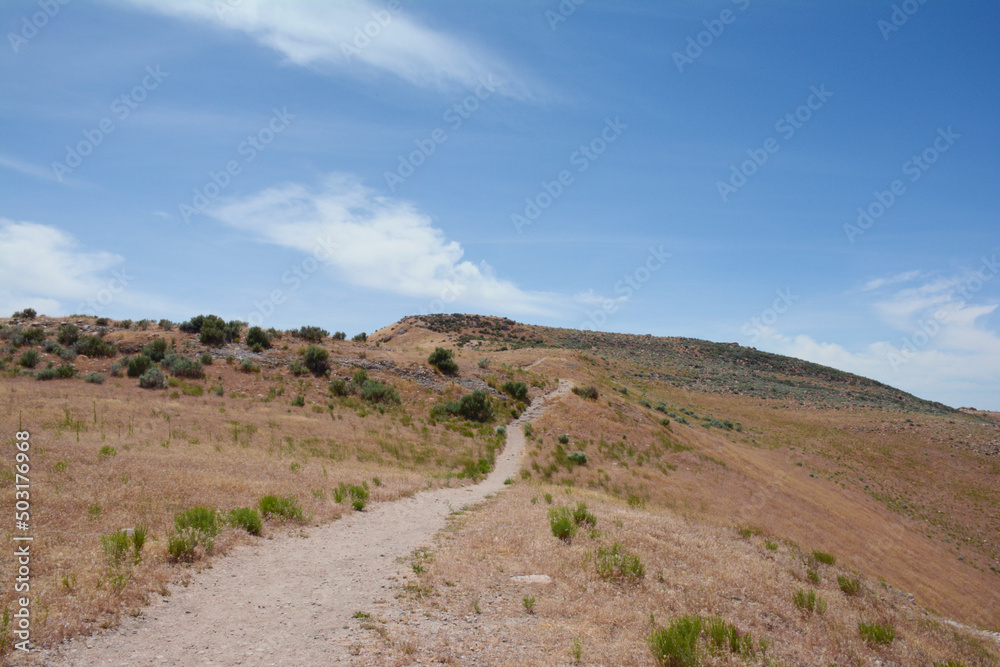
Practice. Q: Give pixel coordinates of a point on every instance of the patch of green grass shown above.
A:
(849, 585)
(562, 523)
(616, 563)
(677, 644)
(770, 545)
(247, 518)
(823, 557)
(283, 507)
(876, 633)
(202, 518)
(193, 528)
(528, 602)
(809, 601)
(581, 516)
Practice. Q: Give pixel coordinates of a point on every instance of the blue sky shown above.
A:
(817, 180)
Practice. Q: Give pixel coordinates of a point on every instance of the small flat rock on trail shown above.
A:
(289, 601)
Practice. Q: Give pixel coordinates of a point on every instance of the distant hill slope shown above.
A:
(689, 363)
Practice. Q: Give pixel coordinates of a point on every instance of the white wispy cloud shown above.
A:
(47, 269)
(890, 280)
(376, 242)
(943, 348)
(27, 168)
(354, 37)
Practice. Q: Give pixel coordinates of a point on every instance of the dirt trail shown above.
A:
(289, 601)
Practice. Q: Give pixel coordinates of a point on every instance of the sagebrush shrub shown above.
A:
(517, 390)
(94, 346)
(442, 360)
(138, 365)
(257, 336)
(311, 334)
(316, 359)
(156, 349)
(29, 359)
(68, 334)
(152, 379)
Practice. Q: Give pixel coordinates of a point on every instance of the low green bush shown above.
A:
(562, 524)
(67, 334)
(94, 378)
(29, 359)
(247, 518)
(677, 644)
(316, 359)
(94, 346)
(517, 390)
(257, 337)
(589, 392)
(152, 379)
(138, 365)
(283, 507)
(180, 366)
(311, 334)
(156, 349)
(582, 516)
(472, 407)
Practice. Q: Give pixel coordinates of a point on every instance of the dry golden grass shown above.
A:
(844, 499)
(691, 567)
(891, 495)
(173, 451)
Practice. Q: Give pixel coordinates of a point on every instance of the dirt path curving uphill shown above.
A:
(289, 601)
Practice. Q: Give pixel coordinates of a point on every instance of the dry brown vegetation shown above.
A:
(466, 606)
(906, 498)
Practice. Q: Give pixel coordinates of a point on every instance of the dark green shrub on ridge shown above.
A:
(441, 359)
(68, 334)
(156, 349)
(316, 359)
(94, 346)
(258, 337)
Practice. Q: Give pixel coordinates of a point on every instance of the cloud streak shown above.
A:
(377, 243)
(944, 350)
(353, 37)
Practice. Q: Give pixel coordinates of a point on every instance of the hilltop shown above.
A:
(729, 472)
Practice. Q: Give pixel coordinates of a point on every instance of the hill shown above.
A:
(731, 473)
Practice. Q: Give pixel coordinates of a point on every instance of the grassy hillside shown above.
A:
(714, 464)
